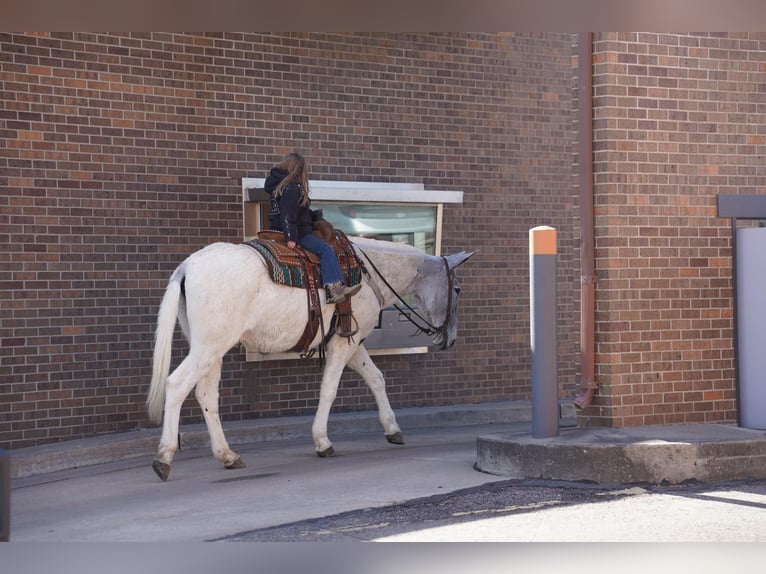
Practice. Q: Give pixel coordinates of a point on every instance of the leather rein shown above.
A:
(429, 329)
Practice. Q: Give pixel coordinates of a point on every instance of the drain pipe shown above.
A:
(588, 383)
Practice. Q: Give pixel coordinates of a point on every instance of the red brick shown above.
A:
(123, 159)
(707, 268)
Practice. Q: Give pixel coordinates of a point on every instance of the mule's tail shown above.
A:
(163, 346)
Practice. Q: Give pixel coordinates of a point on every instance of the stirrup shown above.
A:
(347, 334)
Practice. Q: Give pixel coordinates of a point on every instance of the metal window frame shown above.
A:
(254, 198)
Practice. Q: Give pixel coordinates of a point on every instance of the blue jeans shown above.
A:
(330, 267)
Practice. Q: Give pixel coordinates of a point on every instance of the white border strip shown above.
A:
(365, 191)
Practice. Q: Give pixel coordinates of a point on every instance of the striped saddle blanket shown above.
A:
(292, 267)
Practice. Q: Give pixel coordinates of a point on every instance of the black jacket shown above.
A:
(287, 214)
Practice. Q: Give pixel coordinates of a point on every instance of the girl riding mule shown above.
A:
(291, 213)
(223, 295)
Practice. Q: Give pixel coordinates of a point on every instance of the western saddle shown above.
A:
(300, 268)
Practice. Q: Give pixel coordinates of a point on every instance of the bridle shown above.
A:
(429, 329)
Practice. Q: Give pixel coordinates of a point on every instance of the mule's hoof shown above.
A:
(236, 463)
(395, 438)
(161, 469)
(329, 451)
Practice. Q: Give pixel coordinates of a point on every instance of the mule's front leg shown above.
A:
(336, 360)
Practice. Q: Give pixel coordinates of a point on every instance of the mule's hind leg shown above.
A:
(179, 384)
(207, 395)
(362, 364)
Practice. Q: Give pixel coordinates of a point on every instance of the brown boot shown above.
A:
(351, 291)
(339, 292)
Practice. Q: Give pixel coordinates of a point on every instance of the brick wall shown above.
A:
(678, 119)
(121, 154)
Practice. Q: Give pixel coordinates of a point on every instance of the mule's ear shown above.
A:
(456, 259)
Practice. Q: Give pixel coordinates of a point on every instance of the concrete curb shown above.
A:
(653, 454)
(117, 447)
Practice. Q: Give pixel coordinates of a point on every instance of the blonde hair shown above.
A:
(295, 167)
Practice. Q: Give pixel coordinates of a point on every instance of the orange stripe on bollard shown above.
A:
(542, 240)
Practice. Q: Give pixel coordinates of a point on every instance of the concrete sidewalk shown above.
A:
(70, 493)
(130, 445)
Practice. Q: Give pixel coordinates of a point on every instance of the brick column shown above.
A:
(677, 119)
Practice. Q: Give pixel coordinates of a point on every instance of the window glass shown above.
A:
(411, 224)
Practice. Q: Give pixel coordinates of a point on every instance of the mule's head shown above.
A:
(438, 293)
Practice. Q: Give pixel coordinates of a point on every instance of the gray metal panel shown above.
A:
(751, 326)
(395, 332)
(742, 206)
